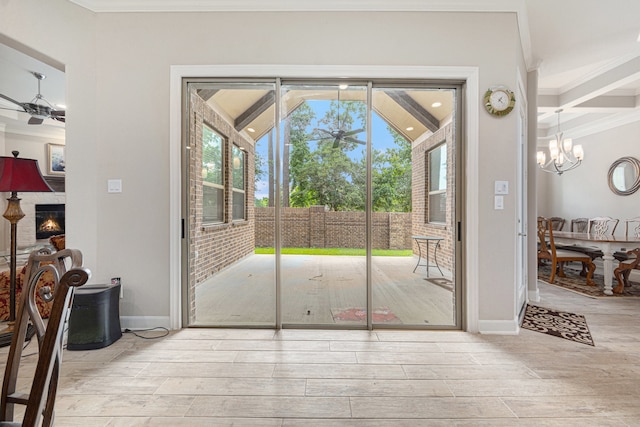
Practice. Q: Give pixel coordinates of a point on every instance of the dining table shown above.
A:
(607, 243)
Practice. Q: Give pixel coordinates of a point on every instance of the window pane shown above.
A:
(212, 204)
(438, 207)
(438, 168)
(238, 205)
(212, 156)
(238, 168)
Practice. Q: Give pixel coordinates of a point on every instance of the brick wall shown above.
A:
(419, 218)
(317, 227)
(216, 246)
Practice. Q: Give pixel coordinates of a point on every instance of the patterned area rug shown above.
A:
(576, 283)
(570, 326)
(380, 315)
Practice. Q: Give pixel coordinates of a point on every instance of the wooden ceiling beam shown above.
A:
(206, 94)
(415, 109)
(259, 107)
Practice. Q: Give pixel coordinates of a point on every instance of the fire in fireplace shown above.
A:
(49, 220)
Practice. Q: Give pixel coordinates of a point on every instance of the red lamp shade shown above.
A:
(21, 175)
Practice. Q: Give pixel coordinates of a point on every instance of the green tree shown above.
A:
(391, 176)
(322, 174)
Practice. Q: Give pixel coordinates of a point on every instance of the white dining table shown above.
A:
(608, 244)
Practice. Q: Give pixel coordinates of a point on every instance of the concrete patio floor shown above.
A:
(326, 291)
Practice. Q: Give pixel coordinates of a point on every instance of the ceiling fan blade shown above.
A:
(35, 121)
(325, 131)
(353, 132)
(351, 139)
(12, 101)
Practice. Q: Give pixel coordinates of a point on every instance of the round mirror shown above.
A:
(624, 176)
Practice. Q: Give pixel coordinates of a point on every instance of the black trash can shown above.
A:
(94, 321)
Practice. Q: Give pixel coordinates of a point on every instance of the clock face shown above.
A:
(499, 102)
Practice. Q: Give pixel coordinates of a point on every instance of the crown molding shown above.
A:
(300, 5)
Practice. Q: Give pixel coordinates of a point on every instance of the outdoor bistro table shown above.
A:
(608, 244)
(426, 241)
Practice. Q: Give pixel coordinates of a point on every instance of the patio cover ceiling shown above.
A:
(410, 112)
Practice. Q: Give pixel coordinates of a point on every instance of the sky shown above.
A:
(381, 137)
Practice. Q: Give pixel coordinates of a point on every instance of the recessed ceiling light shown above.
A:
(343, 86)
(409, 129)
(436, 104)
(252, 130)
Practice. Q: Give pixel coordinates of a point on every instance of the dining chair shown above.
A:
(38, 397)
(626, 259)
(601, 225)
(579, 225)
(557, 223)
(624, 269)
(558, 257)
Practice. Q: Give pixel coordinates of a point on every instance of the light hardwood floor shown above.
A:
(224, 377)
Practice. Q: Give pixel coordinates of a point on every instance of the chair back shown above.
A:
(602, 225)
(545, 248)
(65, 268)
(579, 225)
(632, 227)
(557, 223)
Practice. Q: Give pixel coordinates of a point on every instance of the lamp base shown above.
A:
(7, 335)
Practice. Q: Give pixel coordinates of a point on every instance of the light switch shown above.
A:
(501, 187)
(114, 186)
(498, 202)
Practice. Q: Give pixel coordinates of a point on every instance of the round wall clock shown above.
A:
(499, 101)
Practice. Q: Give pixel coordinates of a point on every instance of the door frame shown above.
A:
(470, 138)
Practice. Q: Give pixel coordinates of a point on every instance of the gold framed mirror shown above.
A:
(624, 176)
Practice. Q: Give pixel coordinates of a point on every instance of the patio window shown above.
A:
(212, 176)
(437, 184)
(239, 190)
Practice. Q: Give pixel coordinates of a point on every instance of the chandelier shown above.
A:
(563, 155)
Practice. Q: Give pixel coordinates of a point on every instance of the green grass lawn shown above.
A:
(335, 251)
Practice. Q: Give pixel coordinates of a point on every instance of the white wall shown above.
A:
(117, 74)
(584, 192)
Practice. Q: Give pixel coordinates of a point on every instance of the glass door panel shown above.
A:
(323, 218)
(231, 221)
(413, 203)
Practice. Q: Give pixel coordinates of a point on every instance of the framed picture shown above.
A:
(56, 163)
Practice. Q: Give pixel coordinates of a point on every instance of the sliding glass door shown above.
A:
(327, 204)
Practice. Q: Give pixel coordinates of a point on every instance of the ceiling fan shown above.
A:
(38, 108)
(340, 135)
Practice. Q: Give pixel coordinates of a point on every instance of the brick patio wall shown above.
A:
(419, 177)
(216, 246)
(317, 227)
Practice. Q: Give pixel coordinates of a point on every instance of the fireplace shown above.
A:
(49, 220)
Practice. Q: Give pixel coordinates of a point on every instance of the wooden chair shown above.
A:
(68, 273)
(557, 223)
(558, 257)
(579, 225)
(628, 260)
(624, 269)
(602, 225)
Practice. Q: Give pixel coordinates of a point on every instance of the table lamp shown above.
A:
(17, 175)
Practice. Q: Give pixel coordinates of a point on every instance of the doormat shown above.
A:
(379, 315)
(576, 283)
(570, 326)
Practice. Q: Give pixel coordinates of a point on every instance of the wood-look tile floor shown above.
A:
(224, 377)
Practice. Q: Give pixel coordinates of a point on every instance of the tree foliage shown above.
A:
(320, 174)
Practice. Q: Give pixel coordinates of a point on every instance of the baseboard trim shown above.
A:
(144, 322)
(499, 327)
